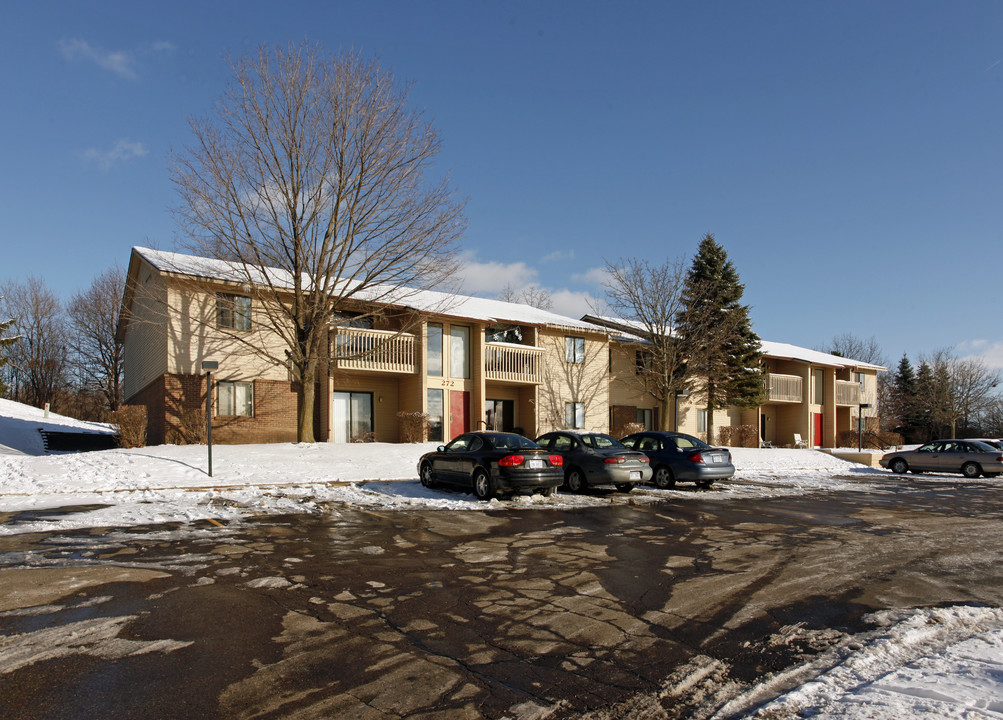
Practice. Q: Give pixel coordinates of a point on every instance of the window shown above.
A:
(574, 350)
(645, 416)
(233, 312)
(352, 419)
(818, 389)
(574, 414)
(643, 362)
(435, 412)
(701, 421)
(433, 350)
(235, 399)
(459, 352)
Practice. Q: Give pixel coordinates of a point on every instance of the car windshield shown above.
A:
(601, 442)
(512, 442)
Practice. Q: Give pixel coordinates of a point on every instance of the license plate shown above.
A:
(717, 458)
(635, 474)
(536, 464)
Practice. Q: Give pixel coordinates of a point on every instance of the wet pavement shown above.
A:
(646, 611)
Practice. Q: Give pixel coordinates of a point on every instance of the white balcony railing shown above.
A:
(784, 388)
(847, 393)
(375, 350)
(508, 362)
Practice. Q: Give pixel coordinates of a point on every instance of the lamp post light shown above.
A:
(209, 366)
(860, 425)
(675, 411)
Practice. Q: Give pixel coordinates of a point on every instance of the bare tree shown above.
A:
(97, 352)
(532, 295)
(649, 297)
(314, 164)
(7, 338)
(953, 392)
(579, 381)
(38, 357)
(851, 347)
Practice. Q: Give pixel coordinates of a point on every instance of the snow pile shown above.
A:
(19, 426)
(919, 663)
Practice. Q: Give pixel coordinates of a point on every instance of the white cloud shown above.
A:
(490, 278)
(121, 151)
(990, 353)
(558, 256)
(119, 62)
(572, 304)
(594, 276)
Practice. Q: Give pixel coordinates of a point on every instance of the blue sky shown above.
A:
(847, 155)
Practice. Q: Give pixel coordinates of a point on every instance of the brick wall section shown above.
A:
(152, 398)
(174, 401)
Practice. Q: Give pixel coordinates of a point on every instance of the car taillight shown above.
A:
(511, 461)
(696, 457)
(644, 458)
(614, 460)
(557, 460)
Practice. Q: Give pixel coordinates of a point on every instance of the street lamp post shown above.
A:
(209, 366)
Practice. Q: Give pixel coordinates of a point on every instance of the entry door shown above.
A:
(459, 412)
(499, 415)
(817, 438)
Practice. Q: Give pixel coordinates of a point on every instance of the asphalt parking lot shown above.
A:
(655, 611)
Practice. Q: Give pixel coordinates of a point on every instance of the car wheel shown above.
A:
(576, 482)
(427, 476)
(482, 486)
(547, 492)
(898, 466)
(624, 487)
(704, 484)
(971, 470)
(664, 478)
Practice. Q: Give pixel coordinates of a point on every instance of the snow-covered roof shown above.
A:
(634, 329)
(467, 307)
(793, 352)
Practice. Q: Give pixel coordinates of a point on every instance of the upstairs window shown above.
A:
(233, 312)
(574, 350)
(574, 415)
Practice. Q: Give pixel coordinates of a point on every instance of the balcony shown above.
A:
(507, 362)
(784, 388)
(374, 350)
(847, 393)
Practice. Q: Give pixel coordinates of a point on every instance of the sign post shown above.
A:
(209, 366)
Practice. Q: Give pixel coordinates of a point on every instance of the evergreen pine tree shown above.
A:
(904, 395)
(715, 328)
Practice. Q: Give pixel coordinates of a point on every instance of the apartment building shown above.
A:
(468, 363)
(810, 395)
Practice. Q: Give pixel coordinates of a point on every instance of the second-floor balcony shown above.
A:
(847, 393)
(508, 362)
(374, 350)
(784, 388)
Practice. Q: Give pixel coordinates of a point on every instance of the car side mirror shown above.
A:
(441, 448)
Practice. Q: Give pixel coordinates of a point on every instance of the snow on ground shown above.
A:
(919, 663)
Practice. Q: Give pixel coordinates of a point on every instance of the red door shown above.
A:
(459, 412)
(816, 440)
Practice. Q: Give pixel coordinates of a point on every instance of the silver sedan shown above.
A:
(968, 457)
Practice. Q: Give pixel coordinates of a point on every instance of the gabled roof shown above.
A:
(464, 307)
(633, 330)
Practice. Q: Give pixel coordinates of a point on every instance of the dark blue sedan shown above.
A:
(678, 457)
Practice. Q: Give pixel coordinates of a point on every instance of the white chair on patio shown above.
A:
(798, 442)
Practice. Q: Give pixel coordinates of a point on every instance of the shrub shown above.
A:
(131, 421)
(414, 426)
(738, 436)
(630, 429)
(190, 429)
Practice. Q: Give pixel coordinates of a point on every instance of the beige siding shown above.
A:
(565, 382)
(145, 346)
(193, 337)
